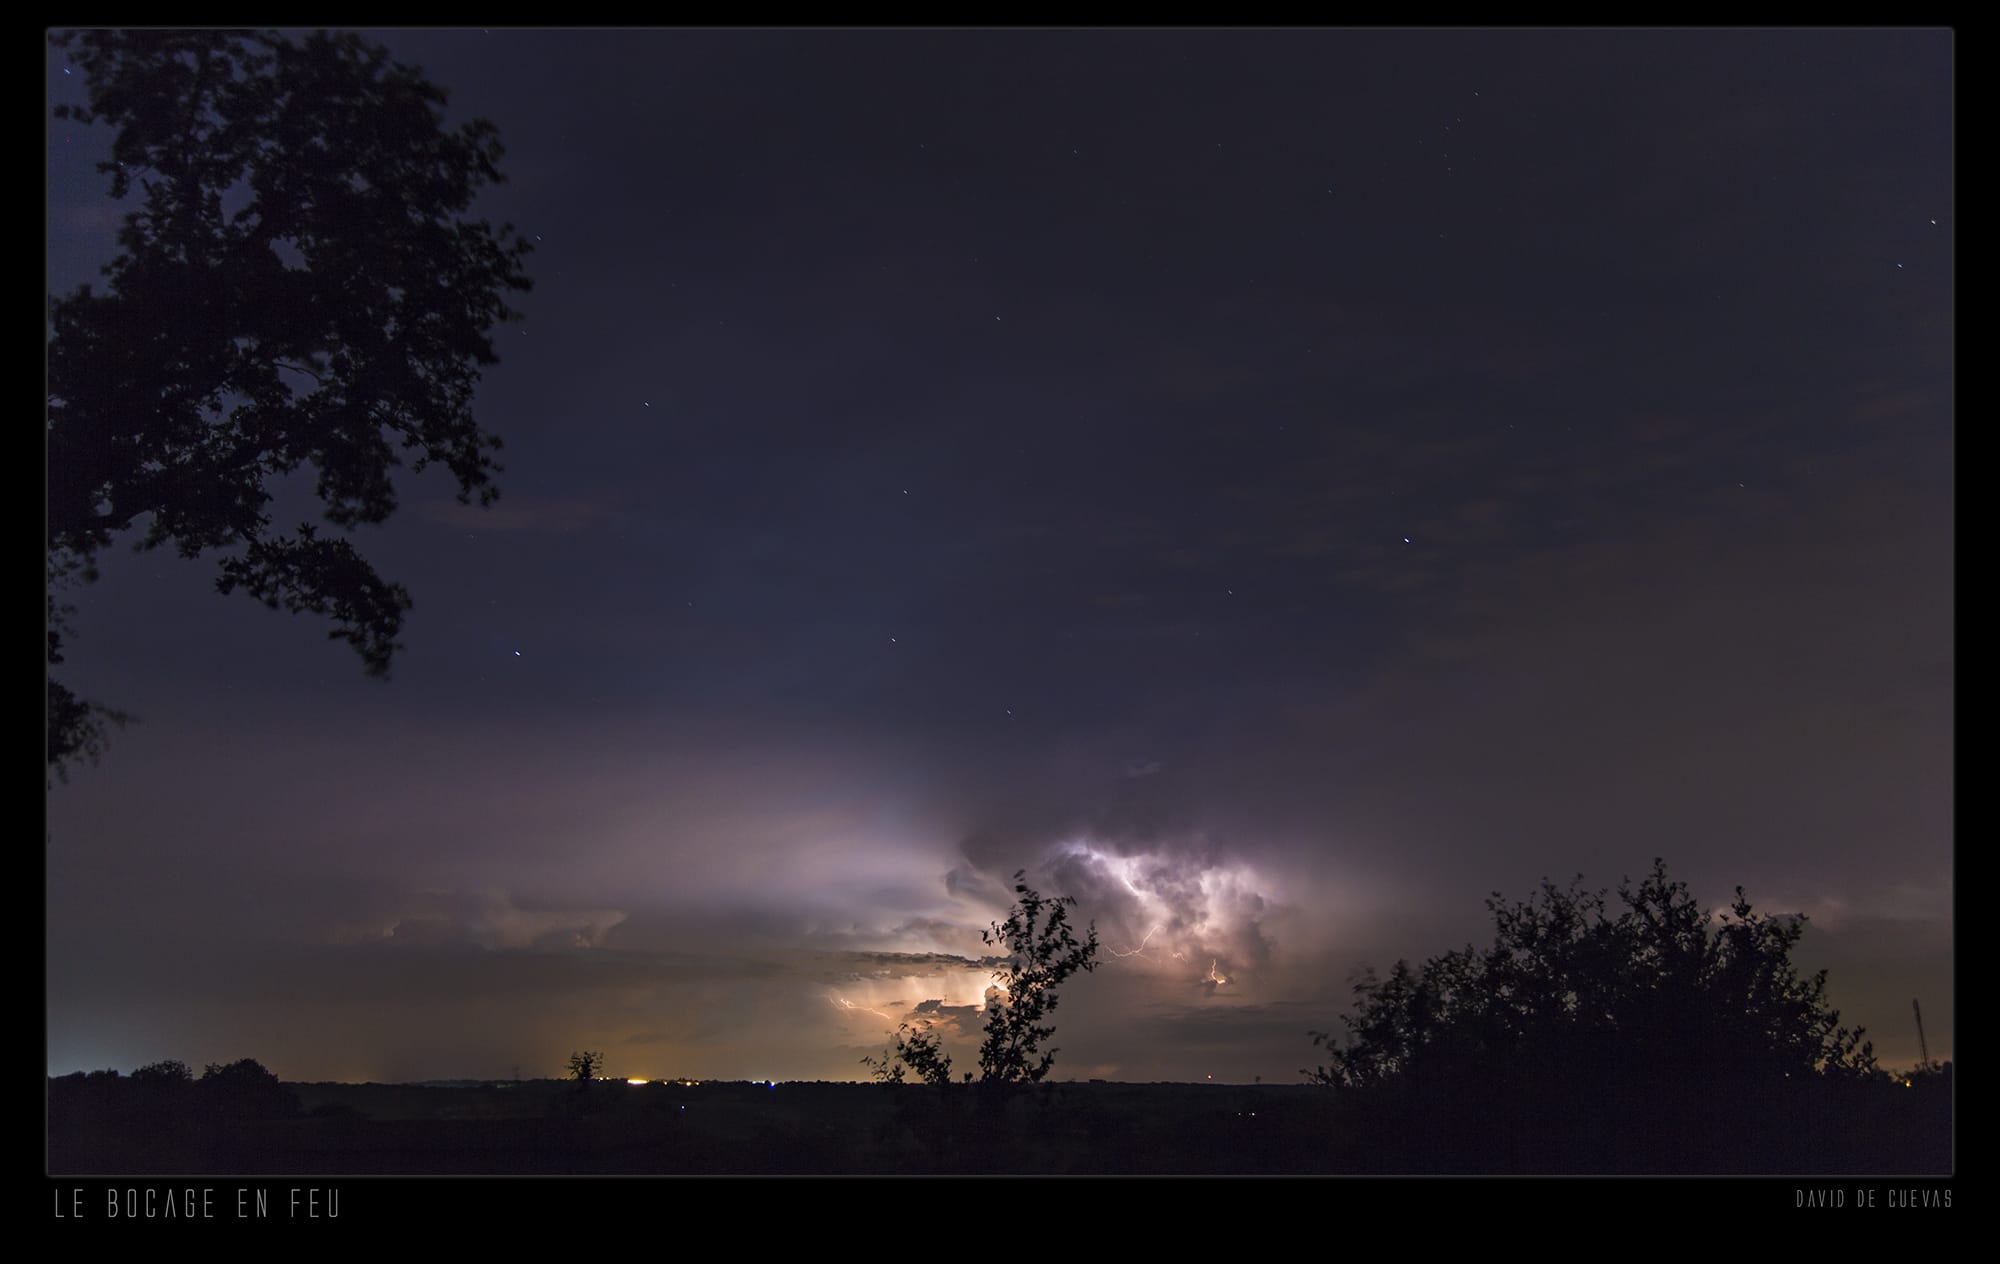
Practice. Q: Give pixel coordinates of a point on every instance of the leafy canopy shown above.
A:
(298, 285)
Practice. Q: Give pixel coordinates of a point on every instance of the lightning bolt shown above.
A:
(1213, 977)
(846, 1006)
(1140, 951)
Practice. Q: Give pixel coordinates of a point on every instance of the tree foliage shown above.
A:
(1660, 989)
(298, 285)
(1042, 951)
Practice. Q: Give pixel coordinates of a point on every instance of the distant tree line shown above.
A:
(162, 1117)
(241, 1089)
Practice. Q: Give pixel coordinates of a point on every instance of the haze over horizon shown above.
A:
(1275, 487)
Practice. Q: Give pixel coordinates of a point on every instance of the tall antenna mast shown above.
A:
(1922, 1044)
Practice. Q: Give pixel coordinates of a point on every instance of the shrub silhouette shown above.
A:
(1585, 1040)
(1563, 981)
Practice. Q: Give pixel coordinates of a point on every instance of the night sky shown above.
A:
(1275, 486)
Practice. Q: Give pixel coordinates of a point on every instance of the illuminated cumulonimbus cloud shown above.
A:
(1175, 913)
(1181, 918)
(949, 998)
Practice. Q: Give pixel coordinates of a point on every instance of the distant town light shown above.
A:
(637, 1081)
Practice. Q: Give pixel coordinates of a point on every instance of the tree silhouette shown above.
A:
(585, 1065)
(1663, 989)
(1042, 951)
(246, 1089)
(171, 1071)
(299, 285)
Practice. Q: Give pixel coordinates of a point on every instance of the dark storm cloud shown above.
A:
(491, 919)
(960, 1021)
(966, 881)
(855, 964)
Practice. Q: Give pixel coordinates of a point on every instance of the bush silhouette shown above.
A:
(1585, 1039)
(1698, 994)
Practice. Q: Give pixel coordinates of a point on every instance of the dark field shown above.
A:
(102, 1126)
